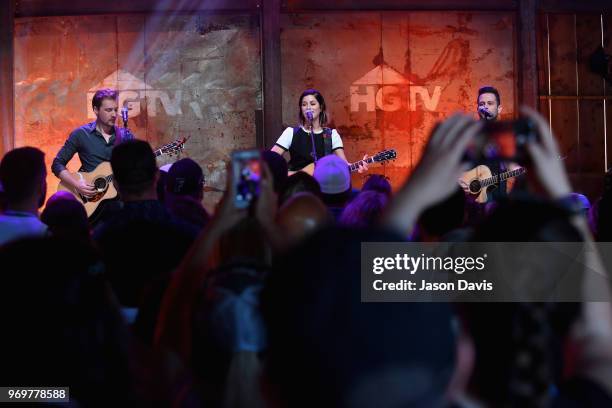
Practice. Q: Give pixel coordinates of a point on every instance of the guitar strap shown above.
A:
(327, 140)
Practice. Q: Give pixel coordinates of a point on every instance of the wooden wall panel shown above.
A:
(578, 108)
(565, 127)
(588, 36)
(46, 8)
(562, 54)
(399, 5)
(591, 133)
(544, 108)
(607, 31)
(608, 147)
(591, 112)
(527, 53)
(542, 54)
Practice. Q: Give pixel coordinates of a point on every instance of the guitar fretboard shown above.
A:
(355, 166)
(159, 152)
(502, 176)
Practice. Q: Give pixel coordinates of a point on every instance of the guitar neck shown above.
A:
(171, 148)
(503, 176)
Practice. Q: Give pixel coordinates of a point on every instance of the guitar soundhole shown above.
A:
(475, 186)
(100, 184)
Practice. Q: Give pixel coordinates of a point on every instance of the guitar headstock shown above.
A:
(385, 155)
(174, 148)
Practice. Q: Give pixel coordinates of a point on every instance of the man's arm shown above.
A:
(62, 158)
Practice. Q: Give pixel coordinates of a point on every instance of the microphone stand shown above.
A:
(314, 149)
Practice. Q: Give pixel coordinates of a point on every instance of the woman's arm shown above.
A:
(279, 150)
(340, 154)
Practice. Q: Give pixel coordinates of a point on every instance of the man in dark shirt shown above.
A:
(142, 243)
(93, 142)
(489, 108)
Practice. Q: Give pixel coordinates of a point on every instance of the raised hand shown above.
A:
(435, 177)
(545, 158)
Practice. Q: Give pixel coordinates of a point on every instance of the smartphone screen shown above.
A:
(501, 141)
(246, 166)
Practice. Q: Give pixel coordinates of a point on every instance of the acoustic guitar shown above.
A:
(480, 178)
(380, 157)
(102, 178)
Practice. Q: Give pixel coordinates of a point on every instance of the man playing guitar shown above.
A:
(489, 108)
(93, 142)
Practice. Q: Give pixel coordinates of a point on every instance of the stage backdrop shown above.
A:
(387, 77)
(182, 75)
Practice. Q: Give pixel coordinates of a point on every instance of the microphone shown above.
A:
(124, 115)
(483, 110)
(309, 115)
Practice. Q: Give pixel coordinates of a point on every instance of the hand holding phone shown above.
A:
(246, 168)
(502, 141)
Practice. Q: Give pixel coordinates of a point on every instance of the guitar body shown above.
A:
(472, 179)
(102, 179)
(308, 170)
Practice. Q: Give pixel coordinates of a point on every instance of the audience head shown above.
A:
(185, 178)
(585, 204)
(23, 176)
(378, 183)
(301, 215)
(2, 198)
(298, 183)
(278, 167)
(334, 177)
(444, 217)
(66, 217)
(134, 169)
(364, 210)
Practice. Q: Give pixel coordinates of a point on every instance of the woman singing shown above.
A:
(298, 141)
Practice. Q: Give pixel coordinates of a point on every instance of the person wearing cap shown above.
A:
(334, 177)
(313, 116)
(185, 191)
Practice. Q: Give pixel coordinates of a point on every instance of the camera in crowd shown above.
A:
(246, 166)
(502, 141)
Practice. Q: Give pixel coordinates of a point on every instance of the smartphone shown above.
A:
(246, 166)
(502, 141)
